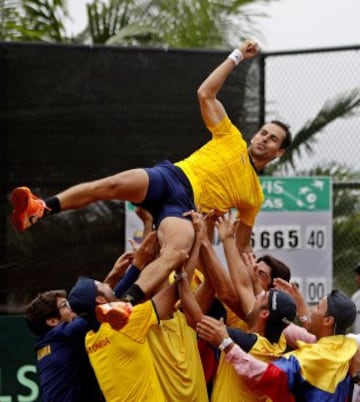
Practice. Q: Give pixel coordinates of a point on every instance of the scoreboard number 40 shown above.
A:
(288, 237)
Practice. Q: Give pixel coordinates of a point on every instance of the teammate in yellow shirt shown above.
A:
(177, 361)
(220, 175)
(121, 358)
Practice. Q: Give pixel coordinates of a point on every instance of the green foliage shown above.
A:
(188, 23)
(180, 23)
(44, 20)
(119, 22)
(346, 256)
(9, 16)
(33, 20)
(344, 105)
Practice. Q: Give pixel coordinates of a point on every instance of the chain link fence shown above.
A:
(300, 87)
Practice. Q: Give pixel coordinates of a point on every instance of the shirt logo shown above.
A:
(98, 345)
(45, 351)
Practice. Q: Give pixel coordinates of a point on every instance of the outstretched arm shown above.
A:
(220, 278)
(143, 255)
(119, 268)
(302, 309)
(257, 374)
(238, 271)
(205, 293)
(243, 236)
(212, 110)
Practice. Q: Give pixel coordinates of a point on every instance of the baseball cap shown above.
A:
(357, 269)
(343, 309)
(282, 309)
(82, 296)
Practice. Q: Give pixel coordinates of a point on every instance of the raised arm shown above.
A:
(243, 236)
(205, 293)
(119, 268)
(220, 278)
(238, 271)
(267, 379)
(302, 309)
(212, 110)
(143, 255)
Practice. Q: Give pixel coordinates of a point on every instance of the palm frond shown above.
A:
(126, 35)
(343, 106)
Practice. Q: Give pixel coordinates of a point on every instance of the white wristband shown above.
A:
(236, 56)
(225, 343)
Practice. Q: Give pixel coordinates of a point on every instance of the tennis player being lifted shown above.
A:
(222, 174)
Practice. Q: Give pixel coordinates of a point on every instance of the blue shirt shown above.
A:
(64, 369)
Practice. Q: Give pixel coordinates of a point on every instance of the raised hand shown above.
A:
(119, 268)
(123, 261)
(147, 251)
(249, 48)
(198, 223)
(226, 226)
(293, 290)
(212, 330)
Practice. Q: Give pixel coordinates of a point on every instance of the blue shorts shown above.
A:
(169, 193)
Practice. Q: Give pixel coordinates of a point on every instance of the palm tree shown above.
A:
(344, 105)
(45, 20)
(9, 15)
(127, 20)
(33, 20)
(181, 23)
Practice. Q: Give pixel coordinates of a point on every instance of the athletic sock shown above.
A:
(54, 204)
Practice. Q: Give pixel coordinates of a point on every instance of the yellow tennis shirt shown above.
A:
(122, 360)
(177, 360)
(221, 174)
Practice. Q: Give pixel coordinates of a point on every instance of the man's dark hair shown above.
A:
(288, 137)
(278, 268)
(43, 307)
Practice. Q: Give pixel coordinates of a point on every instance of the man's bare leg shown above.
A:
(176, 233)
(130, 185)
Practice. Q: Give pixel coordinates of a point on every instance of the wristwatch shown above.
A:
(225, 343)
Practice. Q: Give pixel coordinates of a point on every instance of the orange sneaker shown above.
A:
(27, 208)
(117, 314)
